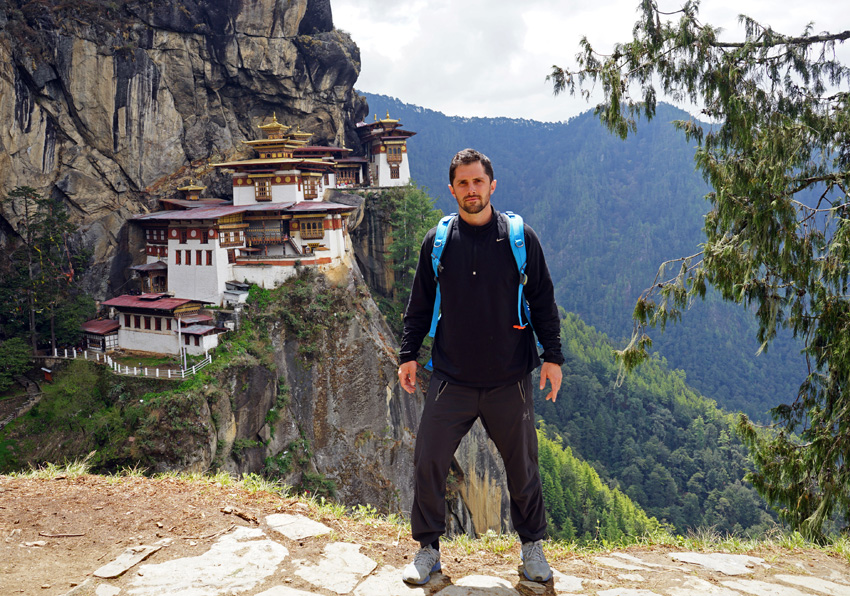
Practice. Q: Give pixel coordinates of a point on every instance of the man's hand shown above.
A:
(550, 371)
(407, 376)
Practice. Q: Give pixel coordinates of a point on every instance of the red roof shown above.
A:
(197, 213)
(144, 302)
(319, 206)
(328, 148)
(157, 266)
(195, 319)
(217, 212)
(101, 327)
(202, 330)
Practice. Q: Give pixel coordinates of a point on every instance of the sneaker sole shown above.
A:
(528, 577)
(436, 567)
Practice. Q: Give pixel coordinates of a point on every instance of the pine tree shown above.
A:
(778, 231)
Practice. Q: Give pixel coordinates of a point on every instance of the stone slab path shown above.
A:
(285, 551)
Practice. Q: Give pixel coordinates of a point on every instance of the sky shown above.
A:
(490, 58)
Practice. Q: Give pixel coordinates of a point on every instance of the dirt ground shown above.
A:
(54, 533)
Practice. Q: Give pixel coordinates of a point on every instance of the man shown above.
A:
(482, 363)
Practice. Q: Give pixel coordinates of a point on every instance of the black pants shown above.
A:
(507, 414)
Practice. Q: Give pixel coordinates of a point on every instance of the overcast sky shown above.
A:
(491, 57)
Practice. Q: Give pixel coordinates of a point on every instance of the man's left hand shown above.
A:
(551, 371)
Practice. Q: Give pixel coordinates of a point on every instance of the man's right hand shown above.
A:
(407, 376)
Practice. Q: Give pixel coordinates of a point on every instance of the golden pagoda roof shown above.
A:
(191, 186)
(271, 161)
(274, 125)
(387, 119)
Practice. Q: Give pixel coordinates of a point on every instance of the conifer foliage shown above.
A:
(778, 229)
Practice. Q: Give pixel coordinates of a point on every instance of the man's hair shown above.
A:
(466, 157)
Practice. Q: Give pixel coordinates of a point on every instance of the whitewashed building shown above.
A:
(386, 151)
(161, 324)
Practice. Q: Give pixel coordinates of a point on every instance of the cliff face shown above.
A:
(111, 105)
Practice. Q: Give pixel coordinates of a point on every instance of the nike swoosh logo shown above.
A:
(499, 239)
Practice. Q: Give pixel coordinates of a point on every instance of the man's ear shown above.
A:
(452, 190)
(493, 187)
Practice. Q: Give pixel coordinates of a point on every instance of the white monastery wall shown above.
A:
(164, 342)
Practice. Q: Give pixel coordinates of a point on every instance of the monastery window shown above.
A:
(183, 235)
(198, 257)
(126, 320)
(147, 322)
(394, 153)
(188, 257)
(177, 254)
(186, 339)
(168, 324)
(310, 190)
(231, 256)
(137, 321)
(394, 174)
(263, 189)
(205, 236)
(197, 340)
(209, 257)
(312, 229)
(157, 324)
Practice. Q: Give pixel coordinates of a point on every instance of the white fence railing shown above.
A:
(132, 371)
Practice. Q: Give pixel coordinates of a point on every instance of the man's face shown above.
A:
(472, 188)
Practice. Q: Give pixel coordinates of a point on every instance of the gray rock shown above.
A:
(760, 588)
(387, 582)
(721, 562)
(285, 591)
(340, 568)
(631, 577)
(529, 588)
(566, 583)
(627, 592)
(130, 557)
(639, 561)
(107, 590)
(616, 563)
(816, 584)
(479, 585)
(694, 586)
(236, 562)
(296, 527)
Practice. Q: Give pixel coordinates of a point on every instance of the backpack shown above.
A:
(517, 238)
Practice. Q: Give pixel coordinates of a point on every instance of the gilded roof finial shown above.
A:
(376, 117)
(388, 114)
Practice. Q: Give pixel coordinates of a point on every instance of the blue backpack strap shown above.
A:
(517, 238)
(440, 239)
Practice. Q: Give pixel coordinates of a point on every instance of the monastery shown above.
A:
(206, 251)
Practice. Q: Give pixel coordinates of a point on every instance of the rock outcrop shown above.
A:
(111, 105)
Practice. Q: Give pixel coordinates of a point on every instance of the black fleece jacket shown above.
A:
(476, 344)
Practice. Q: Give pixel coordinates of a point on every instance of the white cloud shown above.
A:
(491, 57)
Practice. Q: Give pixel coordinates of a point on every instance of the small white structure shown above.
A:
(101, 335)
(386, 151)
(161, 324)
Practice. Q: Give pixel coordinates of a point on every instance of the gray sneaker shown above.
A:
(426, 561)
(534, 565)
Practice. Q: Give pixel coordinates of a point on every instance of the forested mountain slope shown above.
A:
(608, 213)
(654, 438)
